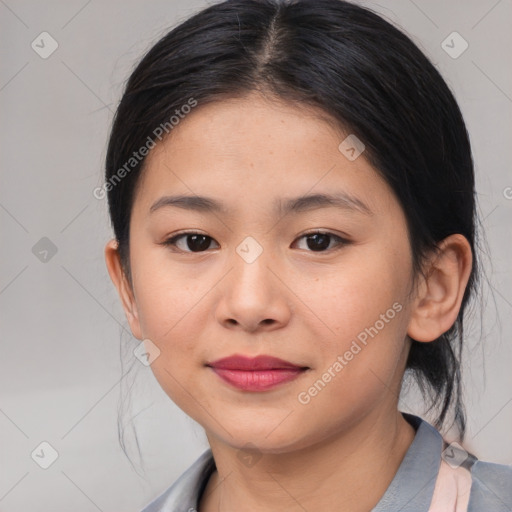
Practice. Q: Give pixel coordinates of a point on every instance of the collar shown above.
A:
(410, 490)
(412, 487)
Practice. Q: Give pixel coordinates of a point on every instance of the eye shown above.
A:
(194, 242)
(320, 241)
(316, 241)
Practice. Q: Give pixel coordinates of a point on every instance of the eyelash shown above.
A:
(171, 242)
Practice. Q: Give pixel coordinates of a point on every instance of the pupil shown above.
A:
(193, 244)
(321, 241)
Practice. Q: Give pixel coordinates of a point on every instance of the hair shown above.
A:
(364, 74)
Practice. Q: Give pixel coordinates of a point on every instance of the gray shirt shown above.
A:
(411, 490)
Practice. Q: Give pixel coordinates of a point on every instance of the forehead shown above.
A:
(256, 149)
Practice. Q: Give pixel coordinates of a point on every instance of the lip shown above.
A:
(263, 362)
(255, 373)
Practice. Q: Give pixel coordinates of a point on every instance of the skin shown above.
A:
(341, 450)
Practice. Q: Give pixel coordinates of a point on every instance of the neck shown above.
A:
(348, 471)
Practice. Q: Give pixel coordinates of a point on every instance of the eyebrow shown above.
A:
(341, 200)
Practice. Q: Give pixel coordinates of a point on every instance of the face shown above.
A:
(244, 273)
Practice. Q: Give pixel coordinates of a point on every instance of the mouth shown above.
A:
(256, 374)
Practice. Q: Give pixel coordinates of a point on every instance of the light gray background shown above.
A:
(62, 323)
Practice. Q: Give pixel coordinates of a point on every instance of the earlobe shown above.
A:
(441, 291)
(118, 277)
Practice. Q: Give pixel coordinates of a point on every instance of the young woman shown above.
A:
(291, 189)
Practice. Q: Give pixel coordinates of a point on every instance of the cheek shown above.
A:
(354, 296)
(366, 312)
(167, 296)
(361, 369)
(173, 317)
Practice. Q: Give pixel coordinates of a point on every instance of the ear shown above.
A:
(124, 289)
(440, 293)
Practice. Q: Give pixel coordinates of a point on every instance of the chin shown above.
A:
(264, 437)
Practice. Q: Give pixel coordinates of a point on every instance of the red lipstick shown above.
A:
(255, 373)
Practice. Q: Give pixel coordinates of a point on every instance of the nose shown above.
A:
(253, 297)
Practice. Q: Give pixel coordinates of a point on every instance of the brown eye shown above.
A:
(320, 241)
(193, 242)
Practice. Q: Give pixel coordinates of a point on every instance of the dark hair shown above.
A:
(368, 77)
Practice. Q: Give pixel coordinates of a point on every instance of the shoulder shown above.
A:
(183, 494)
(474, 486)
(491, 487)
(441, 477)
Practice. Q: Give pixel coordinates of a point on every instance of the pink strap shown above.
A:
(452, 489)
